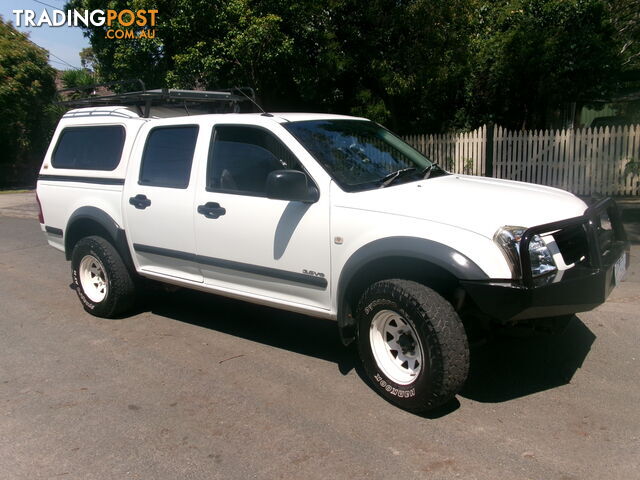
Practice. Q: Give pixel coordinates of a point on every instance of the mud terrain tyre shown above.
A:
(101, 279)
(412, 344)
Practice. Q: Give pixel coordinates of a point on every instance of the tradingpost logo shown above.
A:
(120, 24)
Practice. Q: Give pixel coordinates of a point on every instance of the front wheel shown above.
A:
(412, 344)
(100, 277)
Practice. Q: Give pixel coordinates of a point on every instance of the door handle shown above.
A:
(211, 210)
(140, 201)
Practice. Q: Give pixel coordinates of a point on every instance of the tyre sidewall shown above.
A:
(88, 246)
(419, 393)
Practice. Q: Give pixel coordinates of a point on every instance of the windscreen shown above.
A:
(358, 154)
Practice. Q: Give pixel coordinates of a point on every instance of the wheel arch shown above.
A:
(431, 263)
(86, 221)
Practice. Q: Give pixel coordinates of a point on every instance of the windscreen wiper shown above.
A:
(426, 173)
(393, 176)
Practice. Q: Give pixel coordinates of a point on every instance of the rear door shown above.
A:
(158, 200)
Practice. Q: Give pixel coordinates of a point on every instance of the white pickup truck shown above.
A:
(327, 215)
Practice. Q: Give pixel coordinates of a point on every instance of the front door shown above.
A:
(252, 245)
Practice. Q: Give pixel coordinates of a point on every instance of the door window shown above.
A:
(168, 155)
(241, 158)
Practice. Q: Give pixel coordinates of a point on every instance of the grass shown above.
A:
(15, 191)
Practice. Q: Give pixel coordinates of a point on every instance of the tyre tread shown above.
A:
(449, 347)
(121, 284)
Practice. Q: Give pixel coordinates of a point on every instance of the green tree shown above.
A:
(88, 59)
(416, 65)
(27, 88)
(531, 57)
(625, 17)
(77, 82)
(197, 44)
(406, 60)
(78, 79)
(388, 60)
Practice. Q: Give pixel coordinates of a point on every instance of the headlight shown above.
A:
(508, 239)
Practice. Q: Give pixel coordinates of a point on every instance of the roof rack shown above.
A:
(225, 100)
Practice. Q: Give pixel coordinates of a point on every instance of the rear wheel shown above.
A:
(101, 279)
(412, 344)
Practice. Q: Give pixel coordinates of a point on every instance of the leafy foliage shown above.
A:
(88, 59)
(632, 168)
(80, 82)
(530, 57)
(417, 65)
(27, 88)
(625, 17)
(78, 79)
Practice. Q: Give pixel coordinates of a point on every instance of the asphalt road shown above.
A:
(200, 387)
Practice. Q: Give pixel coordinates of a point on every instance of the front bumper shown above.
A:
(578, 289)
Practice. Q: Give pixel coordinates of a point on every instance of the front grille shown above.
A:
(573, 244)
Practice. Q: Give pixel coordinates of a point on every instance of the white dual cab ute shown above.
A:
(327, 215)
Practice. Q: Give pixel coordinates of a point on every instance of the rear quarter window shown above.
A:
(89, 148)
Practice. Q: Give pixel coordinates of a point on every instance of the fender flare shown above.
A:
(438, 254)
(103, 219)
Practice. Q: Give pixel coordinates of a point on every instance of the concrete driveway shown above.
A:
(18, 205)
(199, 387)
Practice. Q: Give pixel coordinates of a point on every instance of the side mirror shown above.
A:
(291, 185)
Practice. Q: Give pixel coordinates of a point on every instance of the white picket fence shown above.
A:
(456, 152)
(584, 161)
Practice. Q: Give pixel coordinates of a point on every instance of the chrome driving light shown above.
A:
(508, 239)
